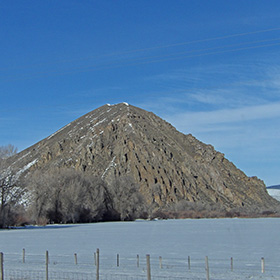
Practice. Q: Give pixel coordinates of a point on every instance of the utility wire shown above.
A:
(151, 48)
(147, 60)
(205, 49)
(204, 40)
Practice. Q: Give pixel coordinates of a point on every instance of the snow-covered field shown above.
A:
(245, 240)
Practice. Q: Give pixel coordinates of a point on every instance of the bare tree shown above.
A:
(68, 196)
(38, 185)
(127, 200)
(71, 196)
(7, 151)
(10, 190)
(84, 197)
(10, 197)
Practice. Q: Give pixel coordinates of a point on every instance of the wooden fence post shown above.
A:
(118, 260)
(97, 264)
(23, 255)
(137, 260)
(148, 267)
(231, 263)
(207, 268)
(262, 264)
(189, 262)
(160, 262)
(47, 265)
(76, 259)
(1, 266)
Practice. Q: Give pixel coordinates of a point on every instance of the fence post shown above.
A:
(231, 263)
(76, 259)
(137, 260)
(23, 255)
(97, 264)
(148, 267)
(118, 260)
(1, 266)
(47, 265)
(189, 262)
(262, 264)
(207, 268)
(160, 262)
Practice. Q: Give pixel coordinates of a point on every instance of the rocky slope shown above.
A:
(123, 140)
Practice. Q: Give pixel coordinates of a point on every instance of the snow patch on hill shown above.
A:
(275, 193)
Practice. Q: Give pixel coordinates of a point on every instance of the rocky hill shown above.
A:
(169, 167)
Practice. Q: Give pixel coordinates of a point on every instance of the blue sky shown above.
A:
(210, 68)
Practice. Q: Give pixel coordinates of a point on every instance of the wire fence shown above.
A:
(23, 266)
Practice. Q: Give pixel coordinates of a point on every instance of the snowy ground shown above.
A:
(245, 240)
(275, 193)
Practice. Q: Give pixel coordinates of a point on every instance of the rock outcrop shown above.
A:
(169, 167)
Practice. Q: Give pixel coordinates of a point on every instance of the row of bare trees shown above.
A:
(65, 196)
(71, 196)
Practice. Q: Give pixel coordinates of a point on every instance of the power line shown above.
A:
(137, 62)
(151, 48)
(207, 39)
(207, 49)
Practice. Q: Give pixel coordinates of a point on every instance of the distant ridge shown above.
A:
(172, 171)
(274, 187)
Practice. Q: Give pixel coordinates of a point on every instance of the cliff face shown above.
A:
(123, 140)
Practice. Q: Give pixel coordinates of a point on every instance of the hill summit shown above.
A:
(172, 171)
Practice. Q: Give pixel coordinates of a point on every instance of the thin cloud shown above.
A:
(226, 116)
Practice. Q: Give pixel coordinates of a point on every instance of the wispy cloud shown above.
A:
(234, 107)
(202, 120)
(219, 86)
